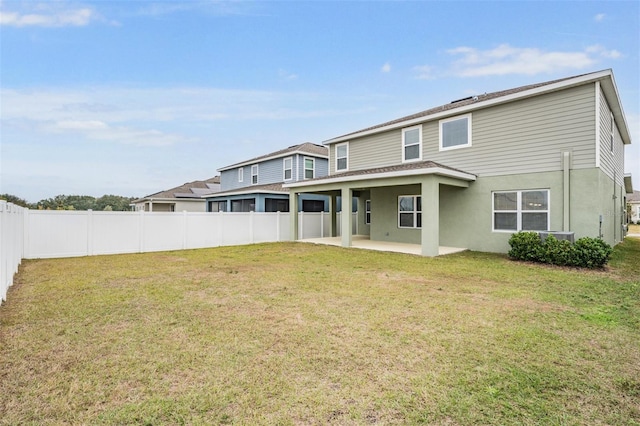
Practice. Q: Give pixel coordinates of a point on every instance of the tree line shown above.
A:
(74, 202)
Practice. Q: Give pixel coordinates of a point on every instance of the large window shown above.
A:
(244, 205)
(309, 168)
(455, 132)
(254, 174)
(276, 205)
(411, 143)
(410, 211)
(342, 157)
(217, 206)
(521, 210)
(310, 206)
(288, 168)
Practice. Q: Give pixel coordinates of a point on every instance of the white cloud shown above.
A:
(599, 17)
(48, 15)
(386, 67)
(424, 72)
(285, 75)
(506, 59)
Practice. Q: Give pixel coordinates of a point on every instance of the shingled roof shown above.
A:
(193, 189)
(303, 148)
(460, 103)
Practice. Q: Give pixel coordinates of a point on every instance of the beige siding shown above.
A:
(524, 136)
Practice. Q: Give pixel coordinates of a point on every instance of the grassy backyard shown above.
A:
(308, 335)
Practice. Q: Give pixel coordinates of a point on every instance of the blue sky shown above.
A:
(134, 97)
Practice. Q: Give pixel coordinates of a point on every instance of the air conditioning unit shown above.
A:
(559, 235)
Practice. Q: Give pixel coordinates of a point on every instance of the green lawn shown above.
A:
(299, 334)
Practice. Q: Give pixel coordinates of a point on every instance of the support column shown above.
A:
(430, 216)
(333, 206)
(346, 218)
(293, 219)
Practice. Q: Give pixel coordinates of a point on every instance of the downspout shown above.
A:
(566, 186)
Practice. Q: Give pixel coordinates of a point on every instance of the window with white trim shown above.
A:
(409, 211)
(309, 168)
(455, 132)
(254, 174)
(288, 168)
(240, 174)
(521, 210)
(412, 144)
(367, 212)
(612, 133)
(342, 157)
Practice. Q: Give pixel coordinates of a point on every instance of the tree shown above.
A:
(115, 202)
(15, 200)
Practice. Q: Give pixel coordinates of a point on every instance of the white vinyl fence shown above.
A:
(11, 244)
(52, 234)
(33, 234)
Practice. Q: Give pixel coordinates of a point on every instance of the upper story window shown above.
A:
(240, 174)
(612, 134)
(455, 132)
(342, 157)
(521, 210)
(288, 168)
(254, 174)
(412, 143)
(309, 168)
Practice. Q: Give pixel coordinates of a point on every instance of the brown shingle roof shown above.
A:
(185, 190)
(305, 148)
(458, 104)
(271, 187)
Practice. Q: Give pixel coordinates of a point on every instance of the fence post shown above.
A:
(251, 230)
(89, 232)
(220, 220)
(301, 226)
(184, 229)
(278, 226)
(141, 232)
(322, 224)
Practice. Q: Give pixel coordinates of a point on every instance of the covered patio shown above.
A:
(388, 226)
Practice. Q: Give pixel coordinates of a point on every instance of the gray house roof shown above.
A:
(193, 190)
(635, 197)
(307, 148)
(271, 188)
(488, 99)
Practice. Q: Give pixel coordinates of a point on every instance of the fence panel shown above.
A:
(52, 233)
(11, 244)
(114, 232)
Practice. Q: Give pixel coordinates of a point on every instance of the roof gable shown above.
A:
(188, 190)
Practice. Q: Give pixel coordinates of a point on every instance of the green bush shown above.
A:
(526, 246)
(586, 252)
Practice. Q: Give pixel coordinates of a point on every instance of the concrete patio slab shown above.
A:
(363, 242)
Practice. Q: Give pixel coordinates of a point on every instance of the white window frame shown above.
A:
(313, 169)
(285, 168)
(254, 174)
(518, 210)
(367, 212)
(468, 117)
(415, 212)
(404, 132)
(346, 157)
(613, 133)
(240, 174)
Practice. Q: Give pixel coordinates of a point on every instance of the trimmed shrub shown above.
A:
(526, 246)
(591, 252)
(586, 252)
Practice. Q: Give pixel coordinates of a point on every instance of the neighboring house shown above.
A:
(633, 200)
(187, 197)
(256, 184)
(468, 174)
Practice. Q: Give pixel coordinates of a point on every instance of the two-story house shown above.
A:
(186, 197)
(256, 184)
(468, 174)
